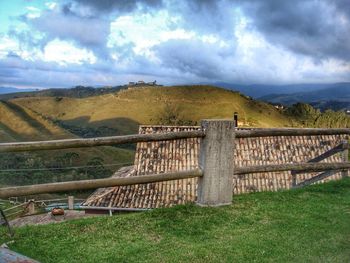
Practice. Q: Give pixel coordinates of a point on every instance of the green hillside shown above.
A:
(76, 92)
(124, 110)
(19, 123)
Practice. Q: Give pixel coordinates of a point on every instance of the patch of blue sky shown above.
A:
(11, 10)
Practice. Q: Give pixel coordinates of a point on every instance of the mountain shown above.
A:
(259, 90)
(122, 111)
(76, 92)
(336, 97)
(253, 90)
(5, 90)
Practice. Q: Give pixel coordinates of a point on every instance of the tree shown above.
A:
(311, 117)
(172, 114)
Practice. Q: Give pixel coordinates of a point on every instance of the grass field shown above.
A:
(306, 225)
(126, 109)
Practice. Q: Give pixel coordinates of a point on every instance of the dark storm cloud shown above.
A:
(15, 70)
(316, 28)
(89, 32)
(202, 60)
(320, 29)
(121, 6)
(41, 74)
(298, 29)
(87, 22)
(207, 16)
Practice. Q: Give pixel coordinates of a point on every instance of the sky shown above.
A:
(59, 44)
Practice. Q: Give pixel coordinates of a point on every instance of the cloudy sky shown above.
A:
(47, 44)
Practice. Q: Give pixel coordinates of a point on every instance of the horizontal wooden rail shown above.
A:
(299, 167)
(114, 140)
(101, 141)
(14, 207)
(289, 132)
(50, 200)
(104, 208)
(14, 213)
(97, 183)
(56, 200)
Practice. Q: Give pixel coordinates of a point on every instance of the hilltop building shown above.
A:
(279, 106)
(141, 83)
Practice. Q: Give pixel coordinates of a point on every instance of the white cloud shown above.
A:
(143, 31)
(265, 62)
(33, 12)
(7, 45)
(51, 5)
(33, 9)
(64, 52)
(193, 42)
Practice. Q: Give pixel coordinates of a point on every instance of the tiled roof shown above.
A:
(178, 155)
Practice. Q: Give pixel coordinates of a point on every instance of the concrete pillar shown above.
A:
(345, 157)
(31, 207)
(215, 187)
(70, 202)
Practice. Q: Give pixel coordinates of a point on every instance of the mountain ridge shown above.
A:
(336, 97)
(6, 90)
(260, 90)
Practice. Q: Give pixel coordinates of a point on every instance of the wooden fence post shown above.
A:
(345, 157)
(70, 202)
(216, 159)
(31, 207)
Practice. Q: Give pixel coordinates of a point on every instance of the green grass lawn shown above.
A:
(306, 225)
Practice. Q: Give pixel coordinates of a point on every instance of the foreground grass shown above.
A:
(308, 225)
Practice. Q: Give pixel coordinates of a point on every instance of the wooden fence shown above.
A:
(215, 160)
(29, 207)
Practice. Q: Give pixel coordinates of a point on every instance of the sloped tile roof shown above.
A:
(178, 155)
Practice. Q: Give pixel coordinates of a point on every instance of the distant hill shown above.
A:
(125, 109)
(76, 92)
(5, 90)
(336, 105)
(336, 97)
(259, 90)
